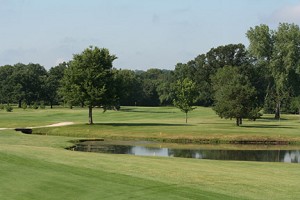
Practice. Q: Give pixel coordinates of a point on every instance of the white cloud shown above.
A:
(288, 13)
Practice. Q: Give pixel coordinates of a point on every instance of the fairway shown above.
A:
(156, 123)
(39, 167)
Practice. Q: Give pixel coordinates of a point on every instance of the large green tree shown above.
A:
(128, 88)
(203, 67)
(277, 52)
(53, 83)
(88, 79)
(27, 82)
(6, 84)
(234, 95)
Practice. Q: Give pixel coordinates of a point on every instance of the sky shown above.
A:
(143, 34)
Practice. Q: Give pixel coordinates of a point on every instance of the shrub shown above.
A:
(35, 105)
(1, 107)
(8, 108)
(42, 105)
(24, 105)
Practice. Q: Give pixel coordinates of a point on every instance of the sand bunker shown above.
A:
(51, 125)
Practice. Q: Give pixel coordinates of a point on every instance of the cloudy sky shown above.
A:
(143, 34)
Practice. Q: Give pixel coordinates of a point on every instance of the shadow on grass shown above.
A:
(139, 124)
(271, 119)
(266, 126)
(142, 111)
(213, 123)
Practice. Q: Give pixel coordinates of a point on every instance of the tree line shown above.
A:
(238, 82)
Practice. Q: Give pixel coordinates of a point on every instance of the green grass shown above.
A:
(38, 166)
(164, 124)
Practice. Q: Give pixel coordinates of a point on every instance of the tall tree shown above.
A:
(53, 82)
(285, 60)
(277, 51)
(234, 95)
(185, 96)
(28, 81)
(150, 81)
(128, 87)
(88, 79)
(6, 85)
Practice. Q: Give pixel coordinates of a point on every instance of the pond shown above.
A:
(288, 154)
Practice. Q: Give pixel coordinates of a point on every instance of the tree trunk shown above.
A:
(241, 121)
(90, 115)
(238, 121)
(20, 104)
(51, 104)
(277, 111)
(186, 117)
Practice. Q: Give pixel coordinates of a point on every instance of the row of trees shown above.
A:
(237, 81)
(29, 84)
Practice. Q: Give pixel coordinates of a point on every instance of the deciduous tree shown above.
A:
(185, 96)
(234, 95)
(88, 79)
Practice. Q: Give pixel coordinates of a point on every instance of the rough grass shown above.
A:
(38, 167)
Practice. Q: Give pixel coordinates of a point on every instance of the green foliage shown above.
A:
(2, 106)
(234, 95)
(185, 95)
(24, 105)
(8, 108)
(88, 80)
(127, 87)
(295, 105)
(35, 105)
(53, 83)
(278, 52)
(271, 64)
(42, 105)
(203, 67)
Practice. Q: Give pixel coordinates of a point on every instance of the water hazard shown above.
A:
(215, 152)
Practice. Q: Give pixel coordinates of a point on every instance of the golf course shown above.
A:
(38, 165)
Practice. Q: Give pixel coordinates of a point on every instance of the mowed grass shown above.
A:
(155, 123)
(38, 167)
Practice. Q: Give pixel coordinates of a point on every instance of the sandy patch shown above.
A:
(51, 125)
(55, 125)
(60, 124)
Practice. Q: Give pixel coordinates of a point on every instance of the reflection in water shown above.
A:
(289, 156)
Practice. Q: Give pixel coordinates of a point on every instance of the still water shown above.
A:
(141, 149)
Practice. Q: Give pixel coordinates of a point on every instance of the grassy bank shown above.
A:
(163, 124)
(38, 167)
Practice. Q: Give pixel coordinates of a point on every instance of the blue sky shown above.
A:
(143, 34)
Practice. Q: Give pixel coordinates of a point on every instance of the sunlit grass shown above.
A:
(164, 123)
(38, 167)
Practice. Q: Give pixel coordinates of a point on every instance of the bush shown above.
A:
(42, 105)
(1, 107)
(35, 106)
(8, 108)
(295, 105)
(24, 105)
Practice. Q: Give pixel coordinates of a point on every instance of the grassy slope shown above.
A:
(37, 167)
(158, 123)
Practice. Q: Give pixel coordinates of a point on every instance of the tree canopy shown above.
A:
(185, 96)
(268, 69)
(234, 95)
(88, 79)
